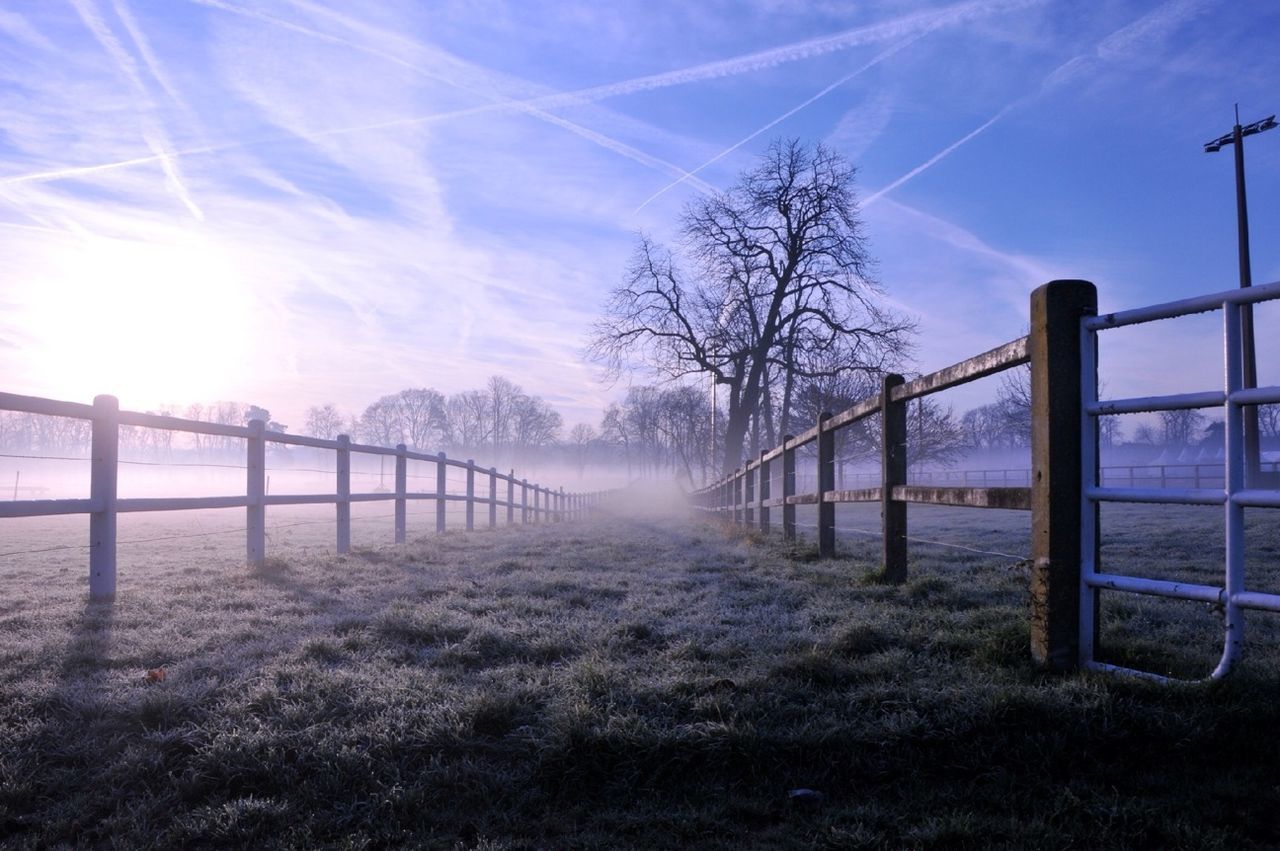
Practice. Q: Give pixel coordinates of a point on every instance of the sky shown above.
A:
(294, 202)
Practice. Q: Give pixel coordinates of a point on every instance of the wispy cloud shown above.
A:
(148, 56)
(1136, 37)
(880, 57)
(904, 28)
(18, 28)
(152, 133)
(495, 98)
(897, 29)
(938, 157)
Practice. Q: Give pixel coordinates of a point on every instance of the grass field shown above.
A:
(623, 682)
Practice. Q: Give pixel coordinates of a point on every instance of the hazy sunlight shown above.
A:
(148, 322)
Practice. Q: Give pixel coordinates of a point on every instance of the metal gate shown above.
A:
(1239, 492)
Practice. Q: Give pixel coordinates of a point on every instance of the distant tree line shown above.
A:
(499, 419)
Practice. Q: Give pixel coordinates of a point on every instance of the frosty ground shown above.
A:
(637, 680)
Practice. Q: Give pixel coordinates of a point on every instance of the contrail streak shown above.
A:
(497, 101)
(144, 50)
(906, 26)
(1126, 39)
(156, 140)
(936, 158)
(748, 62)
(784, 116)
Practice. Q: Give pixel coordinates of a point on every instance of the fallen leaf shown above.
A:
(155, 675)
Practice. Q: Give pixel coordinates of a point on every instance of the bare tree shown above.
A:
(1269, 420)
(934, 435)
(1181, 428)
(381, 423)
(1145, 434)
(422, 416)
(1110, 431)
(581, 437)
(504, 397)
(534, 423)
(467, 420)
(779, 268)
(325, 421)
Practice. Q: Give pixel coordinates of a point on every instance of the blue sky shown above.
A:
(291, 202)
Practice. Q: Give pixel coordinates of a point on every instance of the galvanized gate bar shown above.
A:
(1234, 497)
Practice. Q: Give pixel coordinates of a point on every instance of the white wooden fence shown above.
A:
(534, 502)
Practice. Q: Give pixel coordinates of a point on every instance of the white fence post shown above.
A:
(255, 526)
(105, 443)
(511, 497)
(471, 494)
(493, 497)
(344, 494)
(402, 487)
(442, 488)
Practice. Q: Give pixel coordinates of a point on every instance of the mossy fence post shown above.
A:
(763, 492)
(826, 482)
(788, 487)
(893, 472)
(1058, 507)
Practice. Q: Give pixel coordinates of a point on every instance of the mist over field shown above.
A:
(733, 424)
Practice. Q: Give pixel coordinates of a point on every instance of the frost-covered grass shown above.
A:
(642, 682)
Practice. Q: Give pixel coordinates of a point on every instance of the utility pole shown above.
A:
(1252, 442)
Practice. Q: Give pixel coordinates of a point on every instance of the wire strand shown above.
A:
(875, 534)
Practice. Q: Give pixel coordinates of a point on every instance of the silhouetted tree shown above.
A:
(1181, 428)
(325, 421)
(772, 269)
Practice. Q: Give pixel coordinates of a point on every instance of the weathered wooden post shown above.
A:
(511, 497)
(788, 488)
(402, 488)
(748, 495)
(1057, 480)
(255, 526)
(103, 473)
(344, 493)
(893, 472)
(826, 482)
(493, 497)
(442, 489)
(524, 501)
(762, 511)
(471, 494)
(736, 490)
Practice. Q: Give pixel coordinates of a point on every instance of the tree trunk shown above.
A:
(735, 431)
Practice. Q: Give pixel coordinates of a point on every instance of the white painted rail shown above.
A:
(537, 503)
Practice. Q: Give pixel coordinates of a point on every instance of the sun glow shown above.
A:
(148, 321)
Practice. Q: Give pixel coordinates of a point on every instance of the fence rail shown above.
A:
(1190, 474)
(534, 502)
(746, 493)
